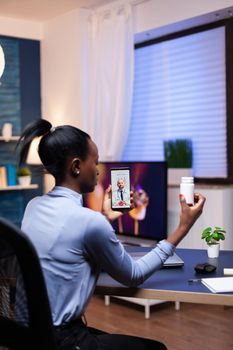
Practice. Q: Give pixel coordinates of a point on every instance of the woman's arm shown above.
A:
(104, 249)
(188, 215)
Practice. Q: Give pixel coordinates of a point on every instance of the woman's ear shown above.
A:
(75, 167)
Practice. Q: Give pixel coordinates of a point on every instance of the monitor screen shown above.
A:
(149, 181)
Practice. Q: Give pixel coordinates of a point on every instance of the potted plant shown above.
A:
(24, 176)
(212, 236)
(178, 154)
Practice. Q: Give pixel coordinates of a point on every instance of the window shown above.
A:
(180, 91)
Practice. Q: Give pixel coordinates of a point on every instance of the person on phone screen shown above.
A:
(121, 196)
(75, 243)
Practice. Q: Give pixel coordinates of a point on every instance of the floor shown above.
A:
(194, 327)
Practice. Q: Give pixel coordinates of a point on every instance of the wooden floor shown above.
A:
(194, 327)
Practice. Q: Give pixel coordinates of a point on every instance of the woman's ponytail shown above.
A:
(32, 130)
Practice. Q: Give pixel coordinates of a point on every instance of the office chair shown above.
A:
(25, 316)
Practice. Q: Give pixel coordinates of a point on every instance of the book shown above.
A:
(11, 175)
(219, 284)
(3, 177)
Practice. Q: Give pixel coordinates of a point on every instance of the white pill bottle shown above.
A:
(187, 189)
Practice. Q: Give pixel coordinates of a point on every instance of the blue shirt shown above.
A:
(73, 244)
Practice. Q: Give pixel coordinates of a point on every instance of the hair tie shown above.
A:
(52, 129)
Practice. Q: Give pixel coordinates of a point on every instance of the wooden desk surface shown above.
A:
(172, 284)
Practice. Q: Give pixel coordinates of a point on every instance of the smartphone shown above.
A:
(120, 181)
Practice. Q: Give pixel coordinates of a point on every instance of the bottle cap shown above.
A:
(187, 179)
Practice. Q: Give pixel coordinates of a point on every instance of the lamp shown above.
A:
(33, 156)
(2, 61)
(34, 159)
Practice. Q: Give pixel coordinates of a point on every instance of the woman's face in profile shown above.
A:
(88, 169)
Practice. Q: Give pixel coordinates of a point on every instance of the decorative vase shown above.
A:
(24, 180)
(7, 131)
(213, 250)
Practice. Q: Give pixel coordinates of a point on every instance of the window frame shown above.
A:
(228, 24)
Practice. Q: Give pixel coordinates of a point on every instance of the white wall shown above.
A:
(61, 69)
(21, 29)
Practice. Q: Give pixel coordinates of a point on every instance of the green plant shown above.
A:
(24, 171)
(178, 153)
(213, 235)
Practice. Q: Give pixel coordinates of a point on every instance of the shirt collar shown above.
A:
(61, 191)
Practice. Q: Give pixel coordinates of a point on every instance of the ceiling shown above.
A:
(44, 10)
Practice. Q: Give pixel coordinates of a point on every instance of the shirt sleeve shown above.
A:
(104, 249)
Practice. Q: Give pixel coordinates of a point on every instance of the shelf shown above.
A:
(13, 138)
(19, 187)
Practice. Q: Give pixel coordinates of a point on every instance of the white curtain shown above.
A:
(109, 78)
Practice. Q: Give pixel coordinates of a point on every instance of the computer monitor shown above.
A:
(149, 180)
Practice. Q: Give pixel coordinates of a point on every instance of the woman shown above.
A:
(75, 243)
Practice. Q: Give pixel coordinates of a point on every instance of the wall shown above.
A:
(61, 69)
(21, 29)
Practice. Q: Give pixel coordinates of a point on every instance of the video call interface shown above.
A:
(149, 182)
(120, 181)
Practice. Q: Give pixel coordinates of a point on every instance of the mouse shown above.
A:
(204, 268)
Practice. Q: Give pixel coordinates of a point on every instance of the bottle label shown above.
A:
(187, 190)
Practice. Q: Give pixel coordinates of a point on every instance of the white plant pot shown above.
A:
(175, 174)
(24, 180)
(213, 250)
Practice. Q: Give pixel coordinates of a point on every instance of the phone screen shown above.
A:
(120, 181)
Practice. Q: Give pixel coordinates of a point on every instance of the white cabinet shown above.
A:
(19, 187)
(13, 138)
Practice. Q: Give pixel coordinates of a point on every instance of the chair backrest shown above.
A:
(25, 316)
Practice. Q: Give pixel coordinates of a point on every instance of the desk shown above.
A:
(172, 284)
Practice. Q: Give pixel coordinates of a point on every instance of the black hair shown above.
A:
(56, 145)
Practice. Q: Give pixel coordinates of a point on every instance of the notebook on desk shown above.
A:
(172, 261)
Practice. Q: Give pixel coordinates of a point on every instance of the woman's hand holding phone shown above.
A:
(120, 182)
(107, 205)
